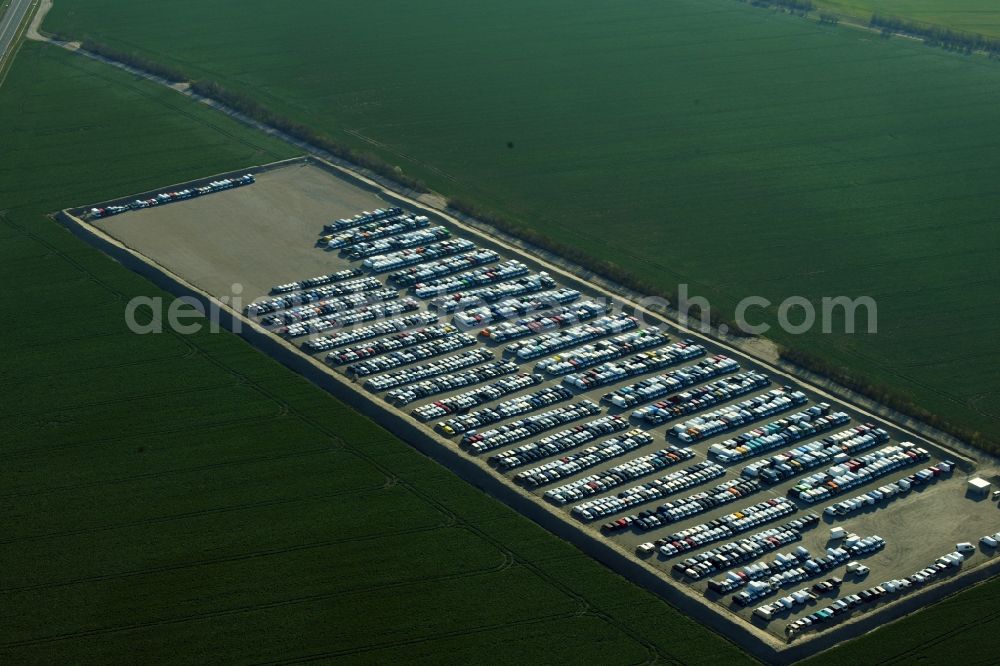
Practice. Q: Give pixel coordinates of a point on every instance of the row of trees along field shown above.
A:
(965, 42)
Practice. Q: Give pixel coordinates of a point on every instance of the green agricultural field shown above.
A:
(964, 627)
(185, 498)
(979, 16)
(733, 148)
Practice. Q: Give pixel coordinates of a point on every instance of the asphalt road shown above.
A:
(9, 24)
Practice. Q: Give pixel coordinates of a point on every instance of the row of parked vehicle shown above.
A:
(857, 472)
(732, 416)
(170, 197)
(836, 448)
(449, 382)
(701, 397)
(889, 491)
(479, 277)
(373, 231)
(652, 388)
(585, 459)
(529, 426)
(415, 373)
(763, 570)
(618, 475)
(350, 317)
(401, 357)
(524, 404)
(789, 602)
(318, 281)
(393, 261)
(438, 269)
(361, 218)
(809, 569)
(378, 329)
(509, 308)
(311, 295)
(561, 441)
(328, 306)
(589, 355)
(655, 489)
(642, 363)
(401, 340)
(945, 564)
(733, 553)
(547, 343)
(464, 401)
(698, 503)
(392, 244)
(813, 421)
(726, 526)
(466, 300)
(545, 320)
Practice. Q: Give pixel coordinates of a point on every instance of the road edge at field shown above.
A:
(23, 28)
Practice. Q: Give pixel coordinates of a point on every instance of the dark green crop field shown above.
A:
(186, 499)
(965, 626)
(708, 142)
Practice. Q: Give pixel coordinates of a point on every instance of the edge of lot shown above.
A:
(757, 642)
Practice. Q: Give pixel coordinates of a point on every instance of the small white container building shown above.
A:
(979, 487)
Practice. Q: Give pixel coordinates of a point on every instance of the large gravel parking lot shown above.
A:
(264, 234)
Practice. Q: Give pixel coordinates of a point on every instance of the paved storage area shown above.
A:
(265, 234)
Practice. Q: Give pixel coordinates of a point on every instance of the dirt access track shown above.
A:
(264, 234)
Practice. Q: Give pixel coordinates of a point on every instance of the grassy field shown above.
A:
(185, 498)
(979, 16)
(964, 627)
(738, 150)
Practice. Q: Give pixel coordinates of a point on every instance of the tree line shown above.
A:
(794, 6)
(965, 42)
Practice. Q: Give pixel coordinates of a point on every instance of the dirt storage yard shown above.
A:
(265, 234)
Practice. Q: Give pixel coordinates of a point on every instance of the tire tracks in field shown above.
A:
(267, 418)
(239, 610)
(269, 552)
(164, 473)
(899, 657)
(125, 364)
(132, 398)
(428, 639)
(949, 397)
(234, 508)
(584, 604)
(22, 453)
(378, 144)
